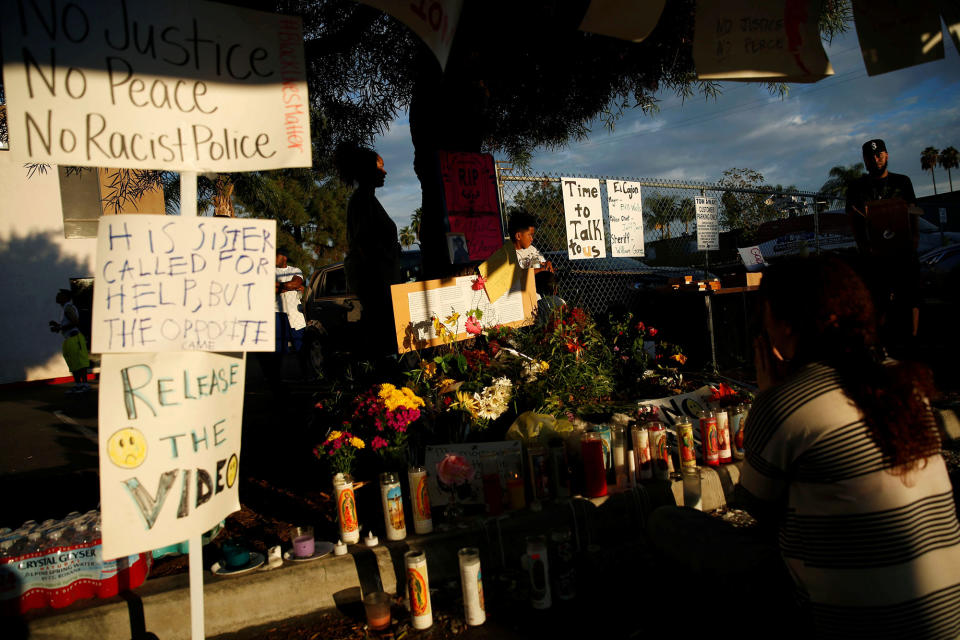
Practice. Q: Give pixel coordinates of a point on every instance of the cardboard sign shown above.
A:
(708, 230)
(483, 232)
(625, 209)
(174, 85)
(759, 40)
(583, 210)
(752, 258)
(166, 283)
(435, 21)
(631, 20)
(469, 182)
(169, 446)
(895, 34)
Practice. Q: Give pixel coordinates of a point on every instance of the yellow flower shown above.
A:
(439, 328)
(452, 319)
(544, 365)
(467, 402)
(679, 357)
(430, 369)
(357, 442)
(334, 435)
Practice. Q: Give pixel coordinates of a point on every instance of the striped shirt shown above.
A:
(871, 553)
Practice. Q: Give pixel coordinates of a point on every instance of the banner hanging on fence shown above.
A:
(583, 212)
(708, 230)
(184, 284)
(173, 85)
(169, 444)
(625, 209)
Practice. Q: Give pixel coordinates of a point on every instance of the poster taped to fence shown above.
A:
(169, 444)
(625, 210)
(708, 230)
(168, 283)
(583, 213)
(173, 85)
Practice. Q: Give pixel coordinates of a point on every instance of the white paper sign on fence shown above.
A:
(708, 230)
(583, 210)
(173, 85)
(752, 258)
(169, 443)
(625, 210)
(435, 21)
(165, 283)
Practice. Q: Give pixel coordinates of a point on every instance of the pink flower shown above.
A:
(478, 284)
(454, 469)
(378, 443)
(473, 327)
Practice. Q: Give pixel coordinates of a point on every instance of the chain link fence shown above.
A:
(781, 222)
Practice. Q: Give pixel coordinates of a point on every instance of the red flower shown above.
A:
(494, 347)
(478, 284)
(652, 332)
(378, 443)
(640, 327)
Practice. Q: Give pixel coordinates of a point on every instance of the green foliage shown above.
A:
(840, 180)
(545, 201)
(660, 211)
(949, 159)
(745, 206)
(310, 213)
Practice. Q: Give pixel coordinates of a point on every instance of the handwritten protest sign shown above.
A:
(759, 40)
(895, 34)
(626, 218)
(483, 232)
(469, 181)
(174, 85)
(169, 446)
(631, 20)
(708, 231)
(435, 21)
(176, 284)
(583, 211)
(752, 258)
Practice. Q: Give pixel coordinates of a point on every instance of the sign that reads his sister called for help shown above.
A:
(167, 283)
(169, 444)
(583, 210)
(175, 85)
(708, 231)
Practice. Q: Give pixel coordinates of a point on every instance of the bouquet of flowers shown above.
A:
(339, 450)
(384, 414)
(640, 357)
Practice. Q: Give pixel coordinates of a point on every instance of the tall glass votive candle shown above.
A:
(594, 469)
(346, 508)
(471, 581)
(420, 500)
(392, 500)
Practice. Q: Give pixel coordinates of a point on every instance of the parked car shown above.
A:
(598, 283)
(940, 275)
(333, 313)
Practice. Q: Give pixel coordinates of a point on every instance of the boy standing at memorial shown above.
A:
(74, 344)
(521, 228)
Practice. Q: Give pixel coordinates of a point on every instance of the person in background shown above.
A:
(843, 458)
(881, 207)
(521, 228)
(290, 320)
(372, 263)
(74, 344)
(549, 300)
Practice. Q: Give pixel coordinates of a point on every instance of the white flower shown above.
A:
(494, 400)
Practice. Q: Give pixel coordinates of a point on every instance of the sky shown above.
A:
(791, 141)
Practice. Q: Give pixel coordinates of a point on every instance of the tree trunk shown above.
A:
(934, 182)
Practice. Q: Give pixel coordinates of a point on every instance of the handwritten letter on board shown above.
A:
(165, 283)
(583, 211)
(626, 218)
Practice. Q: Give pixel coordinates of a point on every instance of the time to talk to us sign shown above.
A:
(173, 85)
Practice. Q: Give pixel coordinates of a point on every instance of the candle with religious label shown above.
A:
(539, 572)
(392, 501)
(686, 444)
(420, 499)
(737, 423)
(619, 448)
(346, 508)
(418, 589)
(641, 451)
(708, 434)
(659, 452)
(723, 436)
(471, 582)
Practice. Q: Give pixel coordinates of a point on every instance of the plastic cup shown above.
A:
(303, 543)
(377, 607)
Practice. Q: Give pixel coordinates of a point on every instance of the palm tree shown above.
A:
(415, 222)
(949, 160)
(407, 236)
(686, 213)
(661, 211)
(928, 160)
(840, 180)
